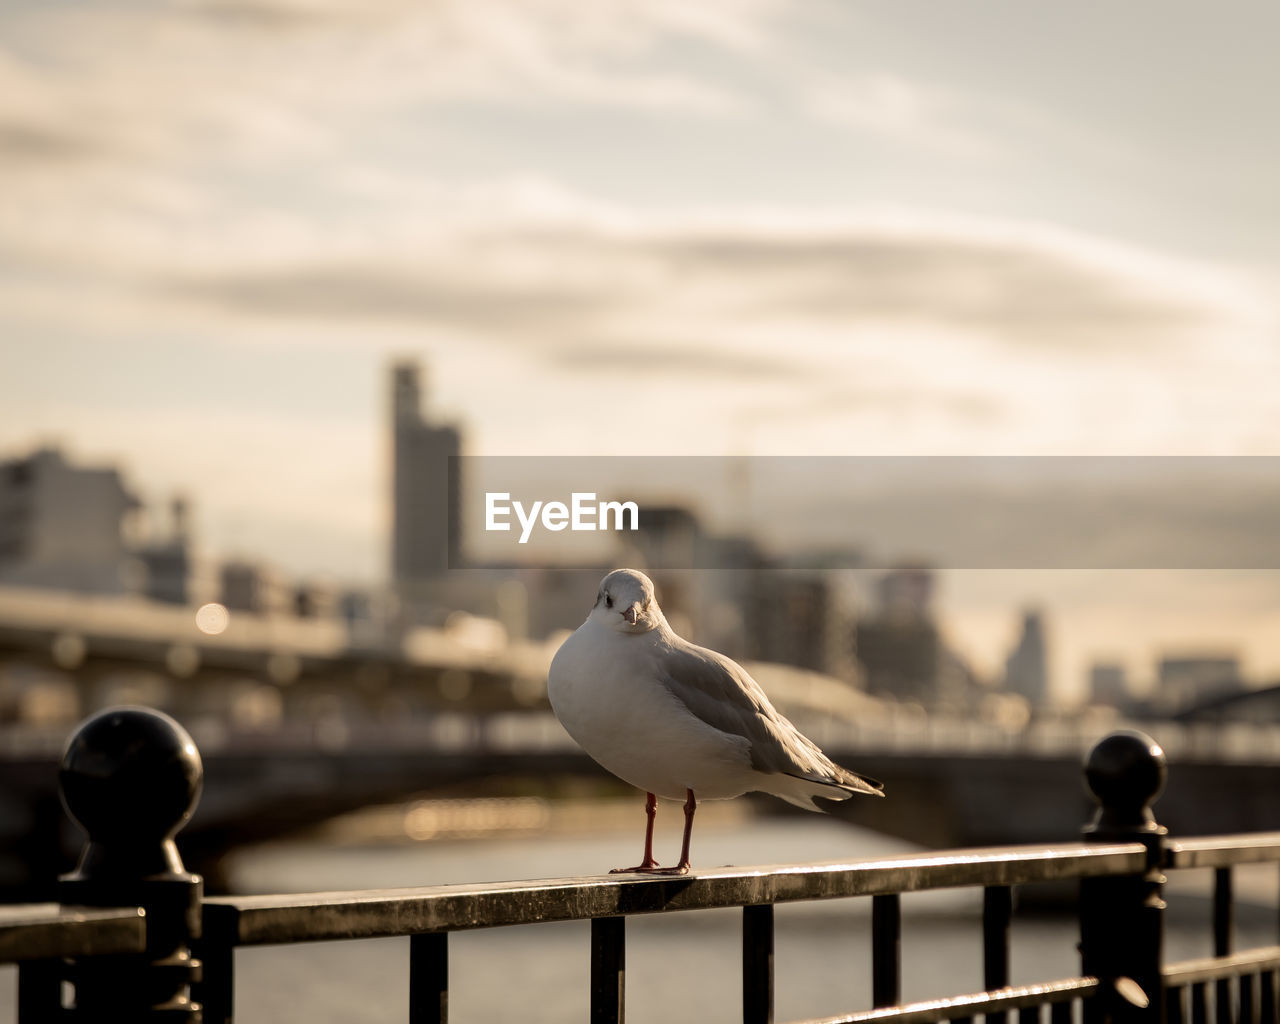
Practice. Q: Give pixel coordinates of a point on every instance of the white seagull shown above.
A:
(674, 719)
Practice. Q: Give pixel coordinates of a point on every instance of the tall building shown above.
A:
(426, 531)
(901, 649)
(252, 587)
(168, 559)
(1187, 679)
(1026, 669)
(65, 526)
(905, 593)
(1109, 684)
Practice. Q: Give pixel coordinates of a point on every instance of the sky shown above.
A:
(748, 227)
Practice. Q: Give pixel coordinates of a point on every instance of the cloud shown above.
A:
(639, 357)
(1017, 285)
(966, 125)
(42, 144)
(359, 293)
(253, 78)
(209, 152)
(268, 168)
(898, 109)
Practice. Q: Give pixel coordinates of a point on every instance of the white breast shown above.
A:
(603, 689)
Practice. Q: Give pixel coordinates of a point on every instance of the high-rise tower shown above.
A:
(426, 531)
(1026, 669)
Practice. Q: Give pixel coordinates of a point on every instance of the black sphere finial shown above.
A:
(1126, 771)
(131, 777)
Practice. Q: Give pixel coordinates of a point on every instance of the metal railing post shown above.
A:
(1122, 917)
(131, 778)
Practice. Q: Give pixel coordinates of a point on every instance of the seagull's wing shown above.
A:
(720, 692)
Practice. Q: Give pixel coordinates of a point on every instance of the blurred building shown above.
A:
(314, 600)
(842, 572)
(725, 592)
(1109, 684)
(65, 526)
(426, 531)
(905, 593)
(899, 658)
(1026, 671)
(167, 559)
(901, 650)
(667, 537)
(793, 619)
(703, 580)
(251, 587)
(1188, 679)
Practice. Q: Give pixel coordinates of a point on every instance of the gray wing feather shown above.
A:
(721, 693)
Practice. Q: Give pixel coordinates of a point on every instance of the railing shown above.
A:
(121, 944)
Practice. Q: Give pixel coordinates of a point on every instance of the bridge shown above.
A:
(351, 722)
(104, 644)
(952, 782)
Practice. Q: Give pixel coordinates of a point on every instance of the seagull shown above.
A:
(674, 719)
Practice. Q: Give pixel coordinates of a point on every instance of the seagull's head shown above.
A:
(626, 603)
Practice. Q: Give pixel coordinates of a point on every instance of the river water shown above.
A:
(680, 967)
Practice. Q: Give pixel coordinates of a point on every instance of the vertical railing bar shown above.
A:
(1223, 911)
(757, 964)
(1199, 1003)
(1249, 998)
(608, 969)
(1267, 997)
(39, 990)
(1223, 926)
(215, 990)
(886, 950)
(1029, 1015)
(1175, 999)
(997, 916)
(429, 978)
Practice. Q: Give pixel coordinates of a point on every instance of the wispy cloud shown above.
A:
(899, 110)
(172, 81)
(265, 168)
(1021, 285)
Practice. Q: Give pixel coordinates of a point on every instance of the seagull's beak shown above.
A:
(631, 614)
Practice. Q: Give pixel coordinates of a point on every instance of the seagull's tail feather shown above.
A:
(860, 783)
(806, 790)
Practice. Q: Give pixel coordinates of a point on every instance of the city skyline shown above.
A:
(1142, 617)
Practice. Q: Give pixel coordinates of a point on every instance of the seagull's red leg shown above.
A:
(648, 864)
(651, 815)
(690, 805)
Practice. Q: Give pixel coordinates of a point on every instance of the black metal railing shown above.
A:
(135, 940)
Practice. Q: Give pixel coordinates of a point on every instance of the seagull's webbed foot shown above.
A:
(652, 869)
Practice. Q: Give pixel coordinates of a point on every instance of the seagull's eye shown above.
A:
(608, 601)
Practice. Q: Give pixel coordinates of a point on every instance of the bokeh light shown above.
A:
(212, 618)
